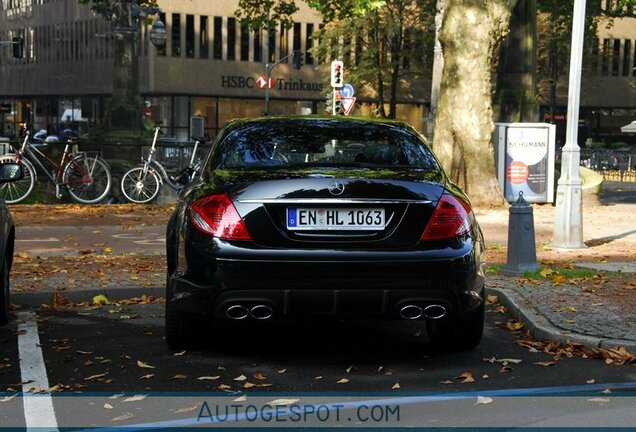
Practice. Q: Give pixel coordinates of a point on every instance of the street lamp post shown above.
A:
(568, 225)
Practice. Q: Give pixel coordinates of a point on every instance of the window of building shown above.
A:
(231, 38)
(245, 42)
(627, 51)
(616, 57)
(204, 50)
(271, 44)
(218, 38)
(606, 57)
(309, 43)
(176, 35)
(161, 51)
(189, 36)
(296, 40)
(283, 43)
(258, 49)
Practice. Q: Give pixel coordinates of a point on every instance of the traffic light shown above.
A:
(18, 47)
(298, 59)
(337, 74)
(338, 109)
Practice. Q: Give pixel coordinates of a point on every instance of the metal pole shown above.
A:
(568, 226)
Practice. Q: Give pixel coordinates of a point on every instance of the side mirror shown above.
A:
(11, 172)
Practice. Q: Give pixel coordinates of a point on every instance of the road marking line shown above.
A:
(38, 408)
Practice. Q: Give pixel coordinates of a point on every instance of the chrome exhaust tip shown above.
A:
(411, 312)
(261, 312)
(237, 312)
(434, 311)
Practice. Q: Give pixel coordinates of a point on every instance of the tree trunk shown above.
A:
(470, 35)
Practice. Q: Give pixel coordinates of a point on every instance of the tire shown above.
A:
(4, 292)
(459, 334)
(185, 330)
(139, 188)
(87, 179)
(18, 191)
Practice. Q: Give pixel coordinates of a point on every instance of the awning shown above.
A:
(629, 128)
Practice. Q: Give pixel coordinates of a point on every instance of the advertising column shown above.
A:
(525, 161)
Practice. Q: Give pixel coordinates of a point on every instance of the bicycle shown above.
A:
(87, 178)
(142, 184)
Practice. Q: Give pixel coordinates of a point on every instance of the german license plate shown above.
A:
(314, 219)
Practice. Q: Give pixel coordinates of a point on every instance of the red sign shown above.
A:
(517, 173)
(347, 104)
(261, 82)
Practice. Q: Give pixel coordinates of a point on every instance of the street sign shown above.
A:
(347, 104)
(347, 90)
(337, 74)
(261, 82)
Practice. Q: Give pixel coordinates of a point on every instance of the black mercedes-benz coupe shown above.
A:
(8, 172)
(297, 218)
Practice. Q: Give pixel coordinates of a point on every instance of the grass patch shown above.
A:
(573, 273)
(494, 269)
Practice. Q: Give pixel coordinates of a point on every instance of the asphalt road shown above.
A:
(120, 349)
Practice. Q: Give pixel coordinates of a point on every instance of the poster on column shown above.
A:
(528, 161)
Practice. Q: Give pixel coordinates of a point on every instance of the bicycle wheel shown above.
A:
(140, 188)
(87, 179)
(17, 191)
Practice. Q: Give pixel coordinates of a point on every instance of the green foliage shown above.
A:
(263, 14)
(380, 42)
(117, 10)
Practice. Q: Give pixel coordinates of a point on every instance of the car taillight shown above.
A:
(452, 218)
(217, 216)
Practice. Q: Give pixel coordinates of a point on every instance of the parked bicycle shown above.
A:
(85, 176)
(142, 184)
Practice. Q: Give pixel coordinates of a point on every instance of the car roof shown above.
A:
(320, 119)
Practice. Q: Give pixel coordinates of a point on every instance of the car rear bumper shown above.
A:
(360, 287)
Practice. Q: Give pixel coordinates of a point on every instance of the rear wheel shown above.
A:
(17, 191)
(139, 187)
(4, 292)
(87, 179)
(185, 330)
(459, 334)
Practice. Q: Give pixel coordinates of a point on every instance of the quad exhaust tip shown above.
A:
(432, 312)
(237, 312)
(261, 312)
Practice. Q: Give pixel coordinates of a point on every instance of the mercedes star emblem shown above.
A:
(336, 188)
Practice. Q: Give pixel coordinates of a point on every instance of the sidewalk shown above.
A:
(586, 296)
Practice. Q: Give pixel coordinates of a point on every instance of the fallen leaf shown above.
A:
(491, 299)
(94, 377)
(108, 406)
(240, 399)
(350, 368)
(606, 391)
(100, 299)
(282, 371)
(505, 369)
(546, 272)
(84, 352)
(319, 377)
(180, 353)
(599, 400)
(260, 376)
(248, 385)
(145, 365)
(208, 378)
(135, 398)
(123, 417)
(483, 400)
(146, 376)
(178, 376)
(396, 386)
(342, 381)
(224, 387)
(282, 402)
(240, 378)
(446, 382)
(546, 363)
(590, 381)
(466, 377)
(185, 410)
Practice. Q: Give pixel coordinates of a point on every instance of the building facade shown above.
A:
(209, 68)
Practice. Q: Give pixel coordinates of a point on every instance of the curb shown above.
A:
(541, 328)
(36, 299)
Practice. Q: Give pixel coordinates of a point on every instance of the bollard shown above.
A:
(522, 253)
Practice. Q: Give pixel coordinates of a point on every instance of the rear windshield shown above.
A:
(312, 144)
